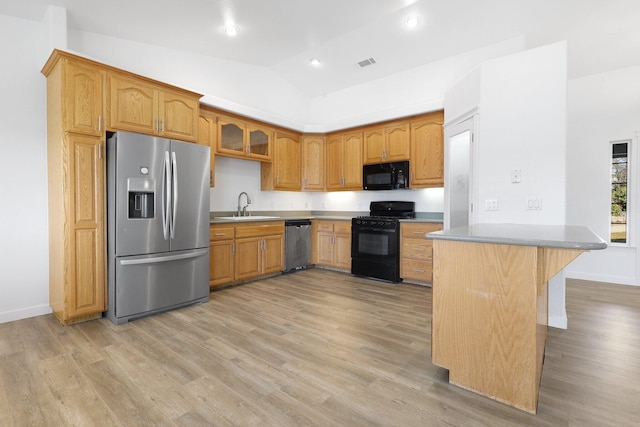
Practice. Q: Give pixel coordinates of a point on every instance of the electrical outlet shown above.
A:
(491, 205)
(515, 176)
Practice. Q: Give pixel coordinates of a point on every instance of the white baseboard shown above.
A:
(559, 322)
(601, 278)
(24, 313)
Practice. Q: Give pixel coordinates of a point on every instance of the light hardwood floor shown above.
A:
(310, 348)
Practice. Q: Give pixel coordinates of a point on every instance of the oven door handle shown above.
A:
(377, 230)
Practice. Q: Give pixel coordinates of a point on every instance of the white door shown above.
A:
(458, 209)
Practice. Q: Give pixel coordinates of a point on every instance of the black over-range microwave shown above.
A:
(386, 176)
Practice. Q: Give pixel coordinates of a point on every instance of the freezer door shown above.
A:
(153, 283)
(190, 193)
(141, 163)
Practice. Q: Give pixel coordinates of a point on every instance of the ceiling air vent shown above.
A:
(366, 62)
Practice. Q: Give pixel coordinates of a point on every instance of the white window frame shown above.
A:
(631, 190)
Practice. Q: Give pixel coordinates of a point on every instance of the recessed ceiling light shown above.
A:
(231, 30)
(316, 62)
(411, 21)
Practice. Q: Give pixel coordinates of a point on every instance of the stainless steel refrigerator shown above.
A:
(157, 225)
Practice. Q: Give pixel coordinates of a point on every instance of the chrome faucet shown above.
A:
(242, 211)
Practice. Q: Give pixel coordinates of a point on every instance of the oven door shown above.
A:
(375, 252)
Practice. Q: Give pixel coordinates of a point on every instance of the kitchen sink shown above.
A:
(247, 218)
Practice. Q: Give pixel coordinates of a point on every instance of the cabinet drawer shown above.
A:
(417, 231)
(260, 229)
(416, 270)
(220, 233)
(342, 227)
(324, 226)
(417, 249)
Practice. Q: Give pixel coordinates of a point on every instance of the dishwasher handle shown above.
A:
(296, 222)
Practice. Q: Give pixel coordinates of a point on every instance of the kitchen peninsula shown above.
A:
(490, 303)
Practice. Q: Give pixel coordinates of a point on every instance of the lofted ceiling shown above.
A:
(284, 35)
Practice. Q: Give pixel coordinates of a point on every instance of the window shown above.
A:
(619, 174)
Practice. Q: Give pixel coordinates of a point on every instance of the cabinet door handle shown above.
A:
(233, 248)
(99, 123)
(221, 234)
(419, 232)
(418, 271)
(162, 125)
(418, 249)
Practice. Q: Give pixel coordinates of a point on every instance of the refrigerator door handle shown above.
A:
(169, 258)
(166, 196)
(174, 201)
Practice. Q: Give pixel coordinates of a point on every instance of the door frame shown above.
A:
(466, 122)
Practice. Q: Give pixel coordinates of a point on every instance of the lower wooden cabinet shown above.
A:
(416, 252)
(240, 252)
(332, 244)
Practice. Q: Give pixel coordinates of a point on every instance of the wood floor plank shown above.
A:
(315, 348)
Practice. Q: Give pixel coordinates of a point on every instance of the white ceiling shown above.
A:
(284, 35)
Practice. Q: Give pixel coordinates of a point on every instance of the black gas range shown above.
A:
(375, 240)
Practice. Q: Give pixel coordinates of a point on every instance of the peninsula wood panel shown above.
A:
(485, 318)
(490, 315)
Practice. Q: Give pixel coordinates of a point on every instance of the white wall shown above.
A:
(234, 176)
(602, 108)
(521, 99)
(24, 259)
(522, 126)
(413, 91)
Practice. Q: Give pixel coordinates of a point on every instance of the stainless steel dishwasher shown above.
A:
(297, 244)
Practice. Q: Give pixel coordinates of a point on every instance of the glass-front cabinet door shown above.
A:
(259, 142)
(231, 136)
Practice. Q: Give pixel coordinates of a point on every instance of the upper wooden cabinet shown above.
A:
(207, 137)
(387, 144)
(313, 152)
(82, 103)
(243, 139)
(344, 161)
(140, 106)
(427, 152)
(284, 173)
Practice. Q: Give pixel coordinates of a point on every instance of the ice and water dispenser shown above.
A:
(141, 198)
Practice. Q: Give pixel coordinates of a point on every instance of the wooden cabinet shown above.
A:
(241, 252)
(416, 252)
(207, 137)
(284, 173)
(221, 255)
(82, 110)
(76, 185)
(387, 144)
(332, 244)
(313, 163)
(344, 161)
(427, 152)
(243, 139)
(137, 105)
(259, 249)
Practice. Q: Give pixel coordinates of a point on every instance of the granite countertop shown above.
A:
(552, 236)
(226, 217)
(218, 220)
